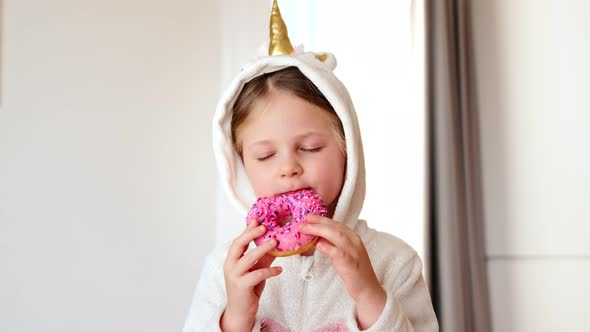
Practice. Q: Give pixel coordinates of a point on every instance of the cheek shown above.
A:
(258, 177)
(337, 174)
(330, 172)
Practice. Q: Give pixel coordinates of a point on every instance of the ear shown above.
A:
(328, 59)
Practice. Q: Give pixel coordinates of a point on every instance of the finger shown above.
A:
(313, 219)
(327, 248)
(337, 234)
(264, 262)
(240, 244)
(253, 256)
(317, 219)
(253, 223)
(257, 276)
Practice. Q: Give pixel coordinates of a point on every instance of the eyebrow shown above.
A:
(300, 136)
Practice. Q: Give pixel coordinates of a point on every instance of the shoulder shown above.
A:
(383, 242)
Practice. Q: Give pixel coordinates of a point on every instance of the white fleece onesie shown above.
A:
(309, 295)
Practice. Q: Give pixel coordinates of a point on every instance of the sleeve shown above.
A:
(209, 300)
(408, 307)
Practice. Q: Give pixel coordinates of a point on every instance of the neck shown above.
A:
(332, 208)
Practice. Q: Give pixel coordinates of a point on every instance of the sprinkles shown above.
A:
(281, 214)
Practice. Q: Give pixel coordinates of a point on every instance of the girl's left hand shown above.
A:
(350, 259)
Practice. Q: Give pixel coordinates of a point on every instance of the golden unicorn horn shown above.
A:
(279, 37)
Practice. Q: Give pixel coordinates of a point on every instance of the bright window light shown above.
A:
(379, 50)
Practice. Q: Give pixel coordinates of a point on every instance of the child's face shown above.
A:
(289, 144)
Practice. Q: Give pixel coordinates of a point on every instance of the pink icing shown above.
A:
(270, 211)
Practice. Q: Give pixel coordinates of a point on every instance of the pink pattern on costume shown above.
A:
(269, 325)
(334, 327)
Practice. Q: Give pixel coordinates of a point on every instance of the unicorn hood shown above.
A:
(319, 68)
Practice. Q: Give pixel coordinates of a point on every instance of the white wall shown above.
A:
(106, 171)
(244, 33)
(533, 68)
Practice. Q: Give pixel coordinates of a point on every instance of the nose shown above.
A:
(290, 167)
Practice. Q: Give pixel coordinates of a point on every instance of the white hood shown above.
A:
(230, 167)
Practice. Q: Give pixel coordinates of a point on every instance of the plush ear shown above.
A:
(328, 59)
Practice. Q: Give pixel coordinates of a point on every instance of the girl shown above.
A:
(285, 124)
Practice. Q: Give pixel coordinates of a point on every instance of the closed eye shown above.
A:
(265, 157)
(316, 149)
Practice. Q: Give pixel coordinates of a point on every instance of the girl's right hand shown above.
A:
(245, 276)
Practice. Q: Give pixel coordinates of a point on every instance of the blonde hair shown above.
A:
(291, 80)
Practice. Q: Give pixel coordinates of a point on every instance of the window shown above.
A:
(379, 49)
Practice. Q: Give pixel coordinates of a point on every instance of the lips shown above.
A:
(294, 191)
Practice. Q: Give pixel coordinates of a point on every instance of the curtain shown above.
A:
(456, 264)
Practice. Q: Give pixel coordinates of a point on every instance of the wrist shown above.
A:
(236, 322)
(369, 307)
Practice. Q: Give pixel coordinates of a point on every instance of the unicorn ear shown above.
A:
(279, 37)
(328, 59)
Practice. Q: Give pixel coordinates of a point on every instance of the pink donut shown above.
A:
(281, 214)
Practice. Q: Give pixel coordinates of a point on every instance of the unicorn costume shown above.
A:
(309, 295)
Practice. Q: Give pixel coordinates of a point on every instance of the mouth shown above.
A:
(296, 190)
